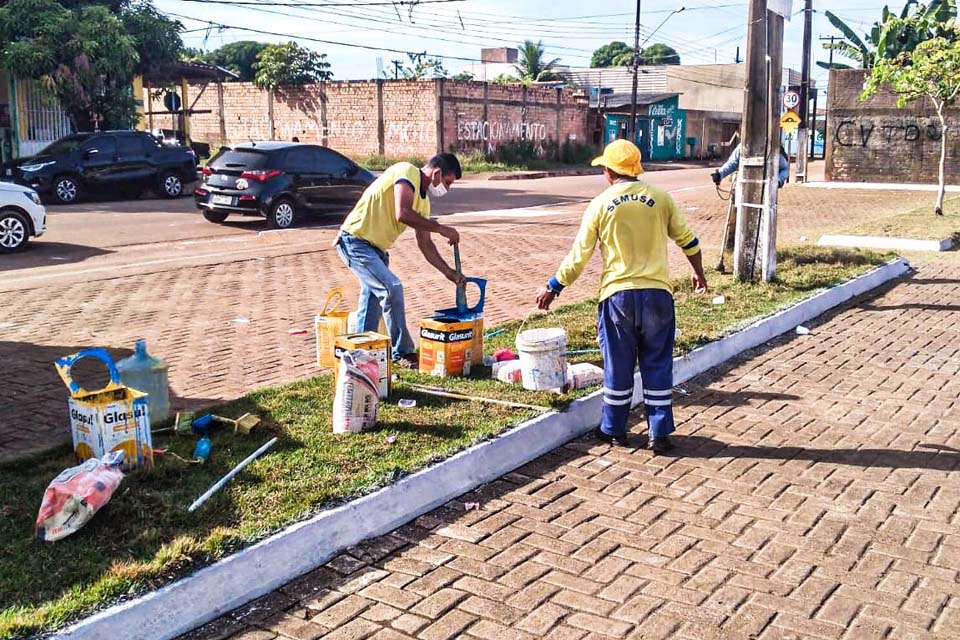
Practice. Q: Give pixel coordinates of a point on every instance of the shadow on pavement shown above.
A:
(711, 397)
(39, 253)
(934, 456)
(35, 414)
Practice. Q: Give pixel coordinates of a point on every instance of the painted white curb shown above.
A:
(878, 242)
(257, 570)
(880, 186)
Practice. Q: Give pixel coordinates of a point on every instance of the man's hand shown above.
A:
(451, 275)
(451, 234)
(716, 177)
(545, 298)
(699, 283)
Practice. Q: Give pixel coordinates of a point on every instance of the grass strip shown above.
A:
(144, 537)
(919, 224)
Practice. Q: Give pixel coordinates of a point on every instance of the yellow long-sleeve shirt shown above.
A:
(632, 221)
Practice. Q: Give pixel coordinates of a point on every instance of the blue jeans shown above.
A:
(380, 291)
(637, 327)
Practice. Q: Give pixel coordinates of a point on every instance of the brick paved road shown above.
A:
(816, 496)
(189, 298)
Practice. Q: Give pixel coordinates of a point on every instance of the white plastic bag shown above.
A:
(76, 494)
(357, 394)
(584, 374)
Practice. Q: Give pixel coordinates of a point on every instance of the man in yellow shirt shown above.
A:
(632, 221)
(398, 199)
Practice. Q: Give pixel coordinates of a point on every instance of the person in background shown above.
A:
(733, 163)
(632, 222)
(398, 199)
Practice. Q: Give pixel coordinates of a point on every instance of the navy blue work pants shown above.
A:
(637, 327)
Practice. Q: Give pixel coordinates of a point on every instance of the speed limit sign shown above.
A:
(791, 99)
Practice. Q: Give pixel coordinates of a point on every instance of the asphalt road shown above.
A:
(100, 240)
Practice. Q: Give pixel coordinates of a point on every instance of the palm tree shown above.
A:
(532, 67)
(890, 37)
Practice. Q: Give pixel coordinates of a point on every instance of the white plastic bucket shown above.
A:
(543, 359)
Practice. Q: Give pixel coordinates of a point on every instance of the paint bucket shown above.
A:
(543, 360)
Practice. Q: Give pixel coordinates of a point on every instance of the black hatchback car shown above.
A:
(280, 181)
(126, 162)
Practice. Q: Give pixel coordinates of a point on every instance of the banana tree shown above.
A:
(893, 34)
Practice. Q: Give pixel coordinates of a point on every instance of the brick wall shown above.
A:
(396, 118)
(480, 117)
(876, 141)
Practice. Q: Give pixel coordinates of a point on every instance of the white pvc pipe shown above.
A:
(225, 479)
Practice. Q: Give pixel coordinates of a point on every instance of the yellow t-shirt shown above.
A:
(374, 217)
(632, 221)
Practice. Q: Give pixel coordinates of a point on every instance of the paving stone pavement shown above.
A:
(195, 315)
(814, 495)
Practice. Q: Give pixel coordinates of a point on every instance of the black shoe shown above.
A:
(661, 445)
(620, 441)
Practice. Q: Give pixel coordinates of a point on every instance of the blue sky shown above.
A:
(705, 32)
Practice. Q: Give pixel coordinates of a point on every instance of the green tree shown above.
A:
(505, 78)
(422, 66)
(463, 75)
(931, 70)
(239, 57)
(156, 38)
(533, 66)
(610, 55)
(891, 35)
(86, 55)
(290, 65)
(659, 53)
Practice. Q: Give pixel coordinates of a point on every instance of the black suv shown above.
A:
(280, 181)
(127, 162)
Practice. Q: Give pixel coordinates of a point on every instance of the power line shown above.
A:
(412, 3)
(319, 40)
(263, 9)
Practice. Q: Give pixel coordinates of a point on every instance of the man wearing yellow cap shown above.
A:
(632, 222)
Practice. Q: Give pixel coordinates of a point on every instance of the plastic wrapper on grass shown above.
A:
(74, 497)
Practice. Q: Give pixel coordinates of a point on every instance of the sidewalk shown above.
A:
(813, 496)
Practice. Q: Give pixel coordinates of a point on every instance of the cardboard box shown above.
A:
(449, 346)
(375, 343)
(115, 418)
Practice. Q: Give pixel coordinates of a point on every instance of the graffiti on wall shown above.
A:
(851, 132)
(496, 131)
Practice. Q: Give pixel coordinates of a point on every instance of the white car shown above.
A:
(21, 216)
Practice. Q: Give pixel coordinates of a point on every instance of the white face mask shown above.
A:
(437, 191)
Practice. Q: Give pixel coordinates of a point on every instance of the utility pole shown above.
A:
(760, 145)
(753, 146)
(802, 158)
(396, 68)
(826, 111)
(768, 243)
(636, 72)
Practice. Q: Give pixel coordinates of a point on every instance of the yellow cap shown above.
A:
(622, 157)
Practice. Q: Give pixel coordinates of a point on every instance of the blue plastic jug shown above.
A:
(143, 372)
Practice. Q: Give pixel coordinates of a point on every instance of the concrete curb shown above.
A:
(880, 186)
(879, 242)
(591, 171)
(257, 570)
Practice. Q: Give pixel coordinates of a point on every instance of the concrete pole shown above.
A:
(802, 132)
(636, 72)
(775, 60)
(753, 146)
